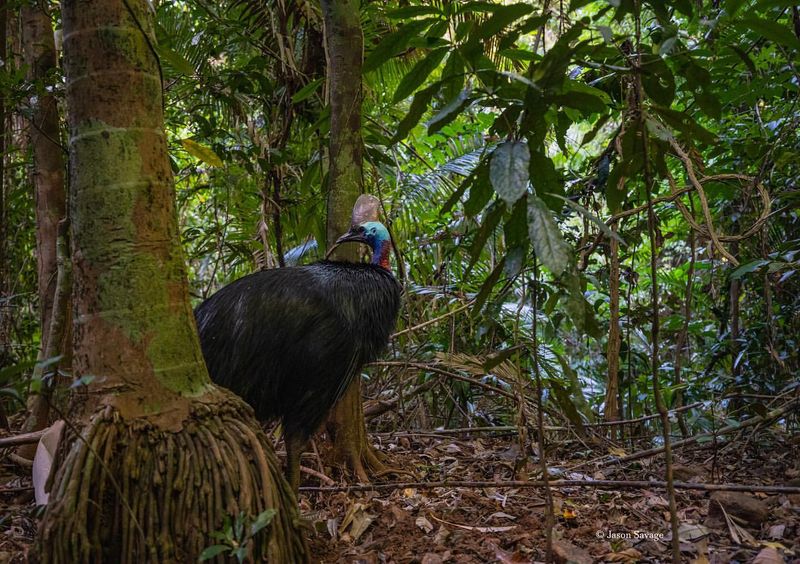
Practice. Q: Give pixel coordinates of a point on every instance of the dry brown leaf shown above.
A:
(768, 556)
(689, 532)
(739, 535)
(776, 531)
(505, 557)
(629, 555)
(424, 524)
(501, 515)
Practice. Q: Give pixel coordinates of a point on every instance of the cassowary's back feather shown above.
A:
(289, 341)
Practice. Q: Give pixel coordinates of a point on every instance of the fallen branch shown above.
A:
(21, 439)
(435, 320)
(436, 370)
(757, 420)
(600, 484)
(320, 475)
(16, 490)
(375, 408)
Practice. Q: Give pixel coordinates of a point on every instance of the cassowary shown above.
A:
(290, 341)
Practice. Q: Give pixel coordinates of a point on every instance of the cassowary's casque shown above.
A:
(290, 340)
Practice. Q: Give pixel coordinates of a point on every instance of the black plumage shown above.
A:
(289, 341)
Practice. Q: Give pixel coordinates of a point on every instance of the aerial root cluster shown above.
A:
(128, 492)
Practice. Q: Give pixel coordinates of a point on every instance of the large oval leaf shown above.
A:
(509, 170)
(547, 240)
(201, 152)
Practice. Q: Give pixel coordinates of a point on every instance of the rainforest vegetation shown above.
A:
(592, 208)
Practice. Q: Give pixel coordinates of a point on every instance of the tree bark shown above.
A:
(48, 180)
(344, 50)
(612, 410)
(48, 171)
(5, 307)
(162, 456)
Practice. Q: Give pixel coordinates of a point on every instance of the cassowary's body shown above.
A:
(290, 341)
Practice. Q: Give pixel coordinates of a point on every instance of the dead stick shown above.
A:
(600, 484)
(774, 414)
(21, 439)
(432, 321)
(453, 375)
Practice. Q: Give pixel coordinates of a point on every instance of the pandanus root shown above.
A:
(128, 491)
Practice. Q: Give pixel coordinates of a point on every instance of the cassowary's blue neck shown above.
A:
(380, 253)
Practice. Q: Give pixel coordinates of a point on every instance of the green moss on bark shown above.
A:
(136, 274)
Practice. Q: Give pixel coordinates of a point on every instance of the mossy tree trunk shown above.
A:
(5, 307)
(344, 48)
(163, 455)
(48, 179)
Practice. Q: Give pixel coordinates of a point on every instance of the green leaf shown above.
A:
(564, 399)
(13, 394)
(491, 219)
(515, 260)
(546, 179)
(774, 31)
(408, 12)
(395, 42)
(519, 78)
(548, 242)
(201, 152)
(488, 286)
(453, 75)
(419, 104)
(742, 54)
(685, 124)
(212, 551)
(509, 170)
(551, 72)
(306, 91)
(593, 218)
(175, 60)
(264, 518)
(657, 79)
(417, 75)
(502, 17)
(587, 103)
(748, 268)
(8, 371)
(572, 86)
(658, 130)
(516, 227)
(449, 112)
(709, 103)
(480, 191)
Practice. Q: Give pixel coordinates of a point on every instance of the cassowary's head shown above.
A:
(374, 234)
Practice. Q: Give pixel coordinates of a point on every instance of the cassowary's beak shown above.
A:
(352, 236)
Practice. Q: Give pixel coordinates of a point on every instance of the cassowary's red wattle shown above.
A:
(290, 340)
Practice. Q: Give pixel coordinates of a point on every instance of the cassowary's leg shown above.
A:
(295, 446)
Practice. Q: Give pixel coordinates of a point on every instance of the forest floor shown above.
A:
(487, 523)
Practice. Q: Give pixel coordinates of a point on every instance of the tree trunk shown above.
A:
(5, 306)
(344, 48)
(612, 410)
(44, 135)
(163, 455)
(48, 180)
